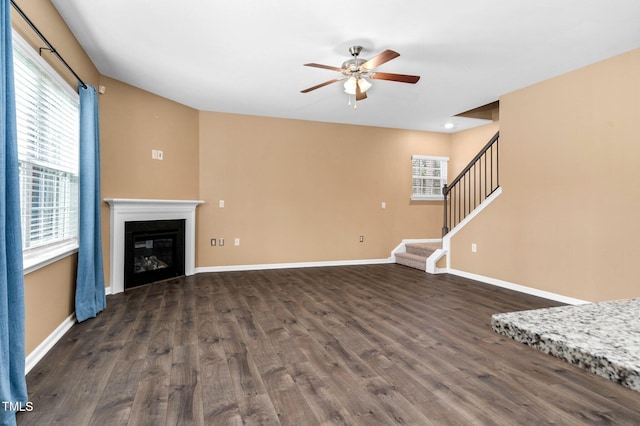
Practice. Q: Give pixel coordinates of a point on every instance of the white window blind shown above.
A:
(47, 113)
(428, 176)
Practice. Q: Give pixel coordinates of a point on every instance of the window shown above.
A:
(47, 118)
(429, 174)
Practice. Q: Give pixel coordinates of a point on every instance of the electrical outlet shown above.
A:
(383, 205)
(213, 242)
(221, 204)
(221, 242)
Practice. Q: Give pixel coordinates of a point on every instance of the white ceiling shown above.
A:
(246, 56)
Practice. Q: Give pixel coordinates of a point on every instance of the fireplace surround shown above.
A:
(124, 210)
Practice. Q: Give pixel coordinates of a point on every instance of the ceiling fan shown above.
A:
(357, 71)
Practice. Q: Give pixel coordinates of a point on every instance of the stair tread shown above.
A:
(422, 249)
(429, 246)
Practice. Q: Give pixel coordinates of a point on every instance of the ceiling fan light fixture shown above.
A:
(350, 85)
(364, 84)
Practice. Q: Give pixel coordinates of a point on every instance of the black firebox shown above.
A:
(153, 251)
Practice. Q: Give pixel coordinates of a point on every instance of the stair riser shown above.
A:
(412, 263)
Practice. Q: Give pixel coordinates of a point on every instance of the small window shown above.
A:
(428, 176)
(47, 118)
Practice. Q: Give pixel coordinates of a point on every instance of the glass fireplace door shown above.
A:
(154, 251)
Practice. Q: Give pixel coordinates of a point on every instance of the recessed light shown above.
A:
(449, 125)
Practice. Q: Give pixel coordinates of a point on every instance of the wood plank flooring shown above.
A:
(357, 345)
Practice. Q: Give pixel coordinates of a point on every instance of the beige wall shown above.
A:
(49, 291)
(567, 219)
(299, 191)
(466, 144)
(49, 299)
(133, 122)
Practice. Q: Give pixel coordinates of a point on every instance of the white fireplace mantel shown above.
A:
(130, 210)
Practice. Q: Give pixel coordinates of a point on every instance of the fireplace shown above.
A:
(123, 210)
(153, 251)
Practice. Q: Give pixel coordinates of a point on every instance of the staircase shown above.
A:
(417, 254)
(476, 186)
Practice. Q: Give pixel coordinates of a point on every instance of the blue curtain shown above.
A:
(90, 292)
(13, 386)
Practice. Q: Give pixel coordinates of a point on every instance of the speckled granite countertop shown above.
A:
(603, 338)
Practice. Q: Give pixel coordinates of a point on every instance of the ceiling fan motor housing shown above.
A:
(353, 66)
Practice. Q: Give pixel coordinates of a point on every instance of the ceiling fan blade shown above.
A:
(380, 59)
(403, 78)
(326, 67)
(360, 95)
(326, 83)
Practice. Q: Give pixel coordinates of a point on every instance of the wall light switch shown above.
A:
(221, 204)
(474, 248)
(236, 242)
(383, 205)
(213, 242)
(221, 241)
(160, 155)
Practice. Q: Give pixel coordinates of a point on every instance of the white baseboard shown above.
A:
(107, 291)
(38, 353)
(265, 266)
(517, 287)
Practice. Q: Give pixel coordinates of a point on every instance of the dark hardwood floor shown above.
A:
(365, 345)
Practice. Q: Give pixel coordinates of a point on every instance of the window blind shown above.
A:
(47, 118)
(428, 174)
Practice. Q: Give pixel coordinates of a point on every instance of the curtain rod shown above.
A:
(49, 46)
